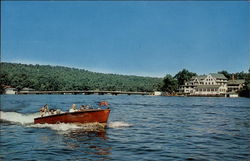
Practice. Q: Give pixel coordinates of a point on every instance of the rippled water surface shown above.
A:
(140, 128)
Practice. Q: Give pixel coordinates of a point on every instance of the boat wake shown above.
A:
(62, 127)
(28, 121)
(18, 118)
(119, 124)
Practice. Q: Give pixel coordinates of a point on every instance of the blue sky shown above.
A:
(135, 38)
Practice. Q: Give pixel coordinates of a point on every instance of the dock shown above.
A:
(85, 92)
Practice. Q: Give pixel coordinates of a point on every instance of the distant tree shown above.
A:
(4, 80)
(184, 76)
(169, 84)
(225, 73)
(245, 92)
(158, 87)
(240, 75)
(19, 80)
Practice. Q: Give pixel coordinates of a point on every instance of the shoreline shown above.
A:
(226, 95)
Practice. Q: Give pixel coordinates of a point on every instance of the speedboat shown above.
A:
(81, 116)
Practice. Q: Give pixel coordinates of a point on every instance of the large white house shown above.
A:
(211, 84)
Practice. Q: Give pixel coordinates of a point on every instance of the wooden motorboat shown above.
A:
(78, 117)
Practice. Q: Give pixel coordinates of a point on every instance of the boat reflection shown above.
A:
(79, 133)
(89, 143)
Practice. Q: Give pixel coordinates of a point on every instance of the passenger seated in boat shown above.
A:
(73, 108)
(52, 111)
(83, 107)
(44, 110)
(58, 111)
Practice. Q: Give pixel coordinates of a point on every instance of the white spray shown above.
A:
(28, 121)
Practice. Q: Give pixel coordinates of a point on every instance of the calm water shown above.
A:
(140, 128)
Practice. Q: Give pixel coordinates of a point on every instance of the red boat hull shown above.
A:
(80, 117)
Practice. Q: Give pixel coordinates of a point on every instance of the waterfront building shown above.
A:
(157, 93)
(27, 90)
(10, 90)
(235, 85)
(211, 84)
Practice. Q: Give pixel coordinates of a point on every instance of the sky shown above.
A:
(143, 38)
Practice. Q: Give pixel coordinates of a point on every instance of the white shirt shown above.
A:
(72, 110)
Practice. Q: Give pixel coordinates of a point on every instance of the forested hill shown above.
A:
(58, 78)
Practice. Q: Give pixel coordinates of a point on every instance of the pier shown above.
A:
(85, 92)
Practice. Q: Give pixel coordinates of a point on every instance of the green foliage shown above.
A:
(238, 75)
(46, 77)
(184, 76)
(225, 73)
(169, 84)
(245, 92)
(4, 79)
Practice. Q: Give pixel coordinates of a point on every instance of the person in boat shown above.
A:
(44, 110)
(52, 111)
(58, 111)
(83, 107)
(73, 108)
(103, 104)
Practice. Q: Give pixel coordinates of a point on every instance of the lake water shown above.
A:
(139, 128)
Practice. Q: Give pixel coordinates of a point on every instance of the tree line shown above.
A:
(59, 78)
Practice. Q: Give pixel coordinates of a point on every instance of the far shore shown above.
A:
(91, 92)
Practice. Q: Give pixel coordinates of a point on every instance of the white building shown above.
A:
(235, 85)
(157, 93)
(211, 84)
(27, 90)
(10, 90)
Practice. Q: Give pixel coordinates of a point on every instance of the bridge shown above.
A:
(85, 92)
